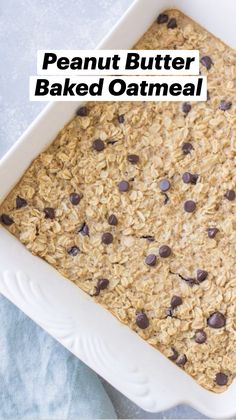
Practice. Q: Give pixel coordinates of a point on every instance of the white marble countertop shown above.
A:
(29, 25)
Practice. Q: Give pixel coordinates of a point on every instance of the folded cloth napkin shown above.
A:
(40, 379)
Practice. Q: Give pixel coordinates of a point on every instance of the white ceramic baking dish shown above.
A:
(115, 352)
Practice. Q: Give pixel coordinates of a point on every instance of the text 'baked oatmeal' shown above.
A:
(135, 203)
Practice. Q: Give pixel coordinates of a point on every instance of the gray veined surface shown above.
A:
(28, 25)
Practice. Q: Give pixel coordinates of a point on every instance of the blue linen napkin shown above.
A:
(40, 379)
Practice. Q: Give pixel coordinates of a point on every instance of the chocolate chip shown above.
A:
(187, 148)
(230, 195)
(112, 220)
(123, 186)
(82, 111)
(162, 18)
(194, 179)
(201, 275)
(73, 251)
(181, 360)
(102, 284)
(172, 23)
(186, 177)
(216, 320)
(212, 232)
(206, 61)
(133, 159)
(49, 213)
(142, 320)
(175, 301)
(75, 199)
(6, 220)
(186, 107)
(225, 106)
(164, 185)
(189, 178)
(148, 237)
(84, 229)
(20, 202)
(175, 354)
(107, 238)
(208, 95)
(200, 337)
(98, 145)
(189, 206)
(121, 118)
(221, 379)
(151, 260)
(164, 251)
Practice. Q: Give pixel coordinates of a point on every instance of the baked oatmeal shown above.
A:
(135, 203)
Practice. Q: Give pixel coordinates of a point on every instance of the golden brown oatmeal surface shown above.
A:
(182, 301)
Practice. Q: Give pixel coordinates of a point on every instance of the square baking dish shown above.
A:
(90, 332)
